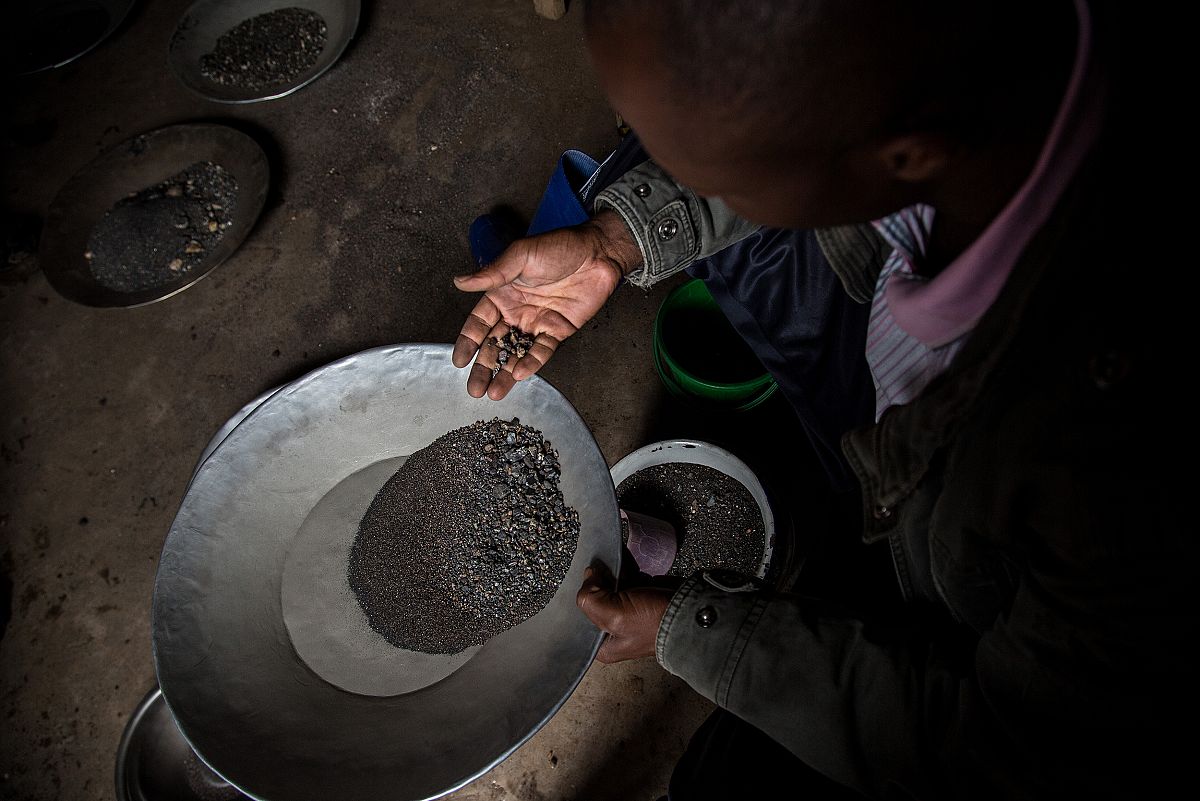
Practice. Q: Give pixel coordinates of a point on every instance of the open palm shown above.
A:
(547, 286)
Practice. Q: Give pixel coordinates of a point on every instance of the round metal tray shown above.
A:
(248, 704)
(694, 451)
(228, 426)
(129, 167)
(205, 20)
(44, 35)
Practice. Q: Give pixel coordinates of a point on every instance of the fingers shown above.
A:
(483, 326)
(611, 650)
(478, 380)
(554, 324)
(481, 378)
(464, 350)
(597, 600)
(629, 618)
(484, 377)
(554, 329)
(480, 322)
(538, 354)
(503, 270)
(486, 321)
(502, 383)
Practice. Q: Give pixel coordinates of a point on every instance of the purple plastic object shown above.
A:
(652, 543)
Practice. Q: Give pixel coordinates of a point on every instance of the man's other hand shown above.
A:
(630, 617)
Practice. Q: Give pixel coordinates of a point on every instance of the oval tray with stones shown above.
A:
(153, 215)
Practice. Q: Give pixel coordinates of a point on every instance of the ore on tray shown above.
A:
(469, 538)
(717, 519)
(266, 50)
(514, 343)
(152, 237)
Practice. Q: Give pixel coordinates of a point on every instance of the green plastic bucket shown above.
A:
(700, 356)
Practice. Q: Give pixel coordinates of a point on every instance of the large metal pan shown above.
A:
(250, 706)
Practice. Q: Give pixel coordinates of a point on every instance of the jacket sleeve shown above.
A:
(855, 704)
(673, 226)
(1031, 709)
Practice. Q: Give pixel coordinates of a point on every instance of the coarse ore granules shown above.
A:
(159, 234)
(469, 538)
(514, 343)
(266, 50)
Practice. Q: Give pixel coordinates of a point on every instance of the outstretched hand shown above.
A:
(548, 286)
(630, 617)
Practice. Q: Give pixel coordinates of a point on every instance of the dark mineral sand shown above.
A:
(716, 519)
(469, 538)
(706, 345)
(155, 236)
(266, 50)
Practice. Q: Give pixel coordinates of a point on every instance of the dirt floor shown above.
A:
(436, 113)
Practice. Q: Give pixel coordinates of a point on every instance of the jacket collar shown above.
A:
(893, 456)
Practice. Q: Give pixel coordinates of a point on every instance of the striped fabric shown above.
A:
(901, 365)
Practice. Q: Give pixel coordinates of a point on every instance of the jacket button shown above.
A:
(667, 229)
(706, 617)
(643, 190)
(881, 512)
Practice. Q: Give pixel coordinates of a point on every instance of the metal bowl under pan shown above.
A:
(155, 763)
(279, 725)
(206, 20)
(129, 167)
(44, 35)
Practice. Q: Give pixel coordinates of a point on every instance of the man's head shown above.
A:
(807, 113)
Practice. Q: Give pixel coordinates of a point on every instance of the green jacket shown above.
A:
(1028, 494)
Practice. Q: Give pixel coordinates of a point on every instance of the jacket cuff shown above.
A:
(657, 212)
(705, 629)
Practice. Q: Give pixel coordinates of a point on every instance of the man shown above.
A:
(1015, 460)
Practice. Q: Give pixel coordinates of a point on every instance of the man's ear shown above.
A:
(914, 158)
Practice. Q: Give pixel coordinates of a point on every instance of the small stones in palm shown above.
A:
(514, 343)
